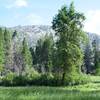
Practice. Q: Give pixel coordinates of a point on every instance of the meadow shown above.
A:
(90, 91)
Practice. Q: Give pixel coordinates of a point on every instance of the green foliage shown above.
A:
(96, 57)
(7, 80)
(76, 79)
(32, 75)
(7, 49)
(43, 52)
(88, 59)
(2, 55)
(81, 92)
(46, 79)
(98, 68)
(68, 27)
(54, 61)
(27, 57)
(19, 80)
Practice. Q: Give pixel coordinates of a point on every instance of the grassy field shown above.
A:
(90, 91)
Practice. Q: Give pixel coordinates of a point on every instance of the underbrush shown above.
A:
(81, 92)
(47, 79)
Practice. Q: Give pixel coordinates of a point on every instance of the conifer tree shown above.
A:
(2, 55)
(7, 47)
(43, 52)
(26, 54)
(96, 57)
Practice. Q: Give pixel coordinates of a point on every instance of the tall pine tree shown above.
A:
(26, 54)
(2, 55)
(8, 51)
(96, 56)
(43, 52)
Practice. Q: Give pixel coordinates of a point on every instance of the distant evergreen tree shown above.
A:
(43, 53)
(96, 57)
(47, 52)
(7, 47)
(26, 54)
(88, 58)
(14, 34)
(33, 54)
(2, 54)
(38, 55)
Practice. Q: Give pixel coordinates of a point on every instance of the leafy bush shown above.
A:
(77, 79)
(97, 69)
(46, 79)
(32, 75)
(20, 81)
(8, 79)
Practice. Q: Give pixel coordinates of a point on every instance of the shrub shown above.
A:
(77, 79)
(32, 75)
(35, 78)
(97, 69)
(7, 80)
(20, 81)
(46, 79)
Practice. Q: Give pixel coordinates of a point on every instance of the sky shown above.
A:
(41, 12)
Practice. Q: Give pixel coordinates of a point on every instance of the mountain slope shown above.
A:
(33, 32)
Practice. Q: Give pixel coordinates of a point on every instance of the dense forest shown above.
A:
(64, 58)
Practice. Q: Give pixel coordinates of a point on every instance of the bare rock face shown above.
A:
(33, 32)
(94, 37)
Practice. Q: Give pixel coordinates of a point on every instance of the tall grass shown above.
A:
(90, 91)
(82, 92)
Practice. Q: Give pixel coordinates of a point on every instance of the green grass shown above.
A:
(90, 91)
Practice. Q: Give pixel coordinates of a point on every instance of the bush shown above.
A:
(7, 80)
(77, 79)
(20, 81)
(97, 69)
(32, 75)
(46, 79)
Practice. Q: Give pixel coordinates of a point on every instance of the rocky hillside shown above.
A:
(34, 32)
(94, 37)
